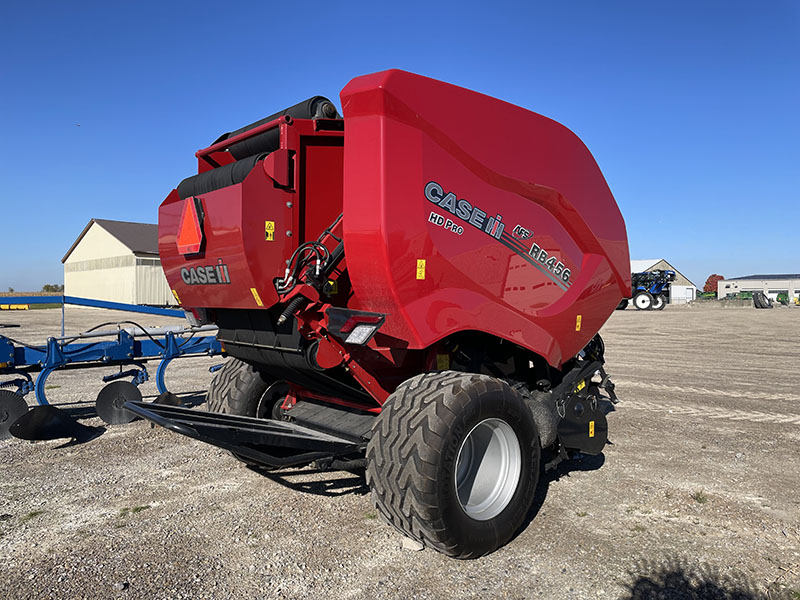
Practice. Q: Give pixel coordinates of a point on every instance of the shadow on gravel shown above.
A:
(676, 579)
(336, 483)
(63, 420)
(87, 410)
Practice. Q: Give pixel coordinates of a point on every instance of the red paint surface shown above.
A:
(402, 131)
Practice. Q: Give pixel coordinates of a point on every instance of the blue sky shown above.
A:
(692, 109)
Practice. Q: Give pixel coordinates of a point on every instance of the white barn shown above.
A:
(117, 261)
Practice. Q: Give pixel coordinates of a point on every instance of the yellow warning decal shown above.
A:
(420, 268)
(333, 286)
(442, 362)
(581, 385)
(591, 428)
(578, 323)
(177, 299)
(256, 297)
(269, 235)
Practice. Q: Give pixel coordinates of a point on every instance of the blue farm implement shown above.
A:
(649, 290)
(125, 345)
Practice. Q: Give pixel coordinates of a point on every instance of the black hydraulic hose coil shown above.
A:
(289, 311)
(218, 178)
(317, 107)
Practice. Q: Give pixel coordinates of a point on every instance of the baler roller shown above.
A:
(219, 178)
(316, 107)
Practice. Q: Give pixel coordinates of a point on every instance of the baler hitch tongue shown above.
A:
(263, 442)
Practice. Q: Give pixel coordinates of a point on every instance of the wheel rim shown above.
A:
(271, 400)
(642, 301)
(488, 468)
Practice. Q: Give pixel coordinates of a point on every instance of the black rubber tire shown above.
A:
(659, 302)
(643, 301)
(239, 389)
(412, 455)
(623, 304)
(236, 389)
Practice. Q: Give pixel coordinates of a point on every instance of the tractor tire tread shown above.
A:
(235, 389)
(406, 447)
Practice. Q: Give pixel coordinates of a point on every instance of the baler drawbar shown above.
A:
(414, 287)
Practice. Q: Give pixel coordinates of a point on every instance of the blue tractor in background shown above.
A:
(649, 289)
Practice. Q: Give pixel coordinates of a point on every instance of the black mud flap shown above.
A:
(262, 441)
(584, 427)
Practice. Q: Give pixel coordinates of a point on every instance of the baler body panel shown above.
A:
(404, 132)
(461, 212)
(235, 223)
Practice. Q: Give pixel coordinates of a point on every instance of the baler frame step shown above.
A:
(263, 441)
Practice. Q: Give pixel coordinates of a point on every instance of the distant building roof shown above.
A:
(649, 264)
(781, 276)
(642, 265)
(140, 238)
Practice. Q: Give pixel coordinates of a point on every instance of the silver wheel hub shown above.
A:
(488, 469)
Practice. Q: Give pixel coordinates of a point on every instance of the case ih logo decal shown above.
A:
(464, 210)
(549, 265)
(206, 275)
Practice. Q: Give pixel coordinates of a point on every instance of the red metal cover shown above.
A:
(464, 212)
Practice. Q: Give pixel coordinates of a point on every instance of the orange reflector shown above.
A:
(190, 233)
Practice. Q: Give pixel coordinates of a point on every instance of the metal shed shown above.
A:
(117, 261)
(770, 284)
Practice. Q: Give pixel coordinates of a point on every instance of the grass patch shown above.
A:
(52, 387)
(580, 513)
(31, 515)
(43, 306)
(370, 515)
(794, 595)
(132, 510)
(639, 528)
(700, 497)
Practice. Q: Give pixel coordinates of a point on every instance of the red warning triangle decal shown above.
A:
(190, 234)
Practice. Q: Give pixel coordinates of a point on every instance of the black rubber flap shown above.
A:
(51, 423)
(12, 407)
(317, 107)
(218, 178)
(111, 399)
(584, 426)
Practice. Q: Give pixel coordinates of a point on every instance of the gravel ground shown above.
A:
(696, 496)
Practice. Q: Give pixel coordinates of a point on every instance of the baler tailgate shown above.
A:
(262, 441)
